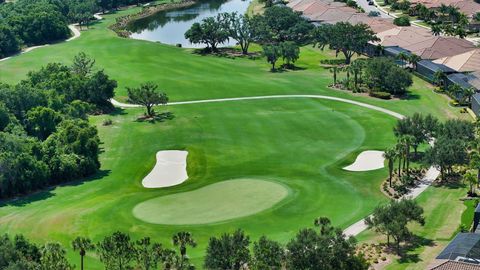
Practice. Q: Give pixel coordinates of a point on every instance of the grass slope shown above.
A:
(302, 144)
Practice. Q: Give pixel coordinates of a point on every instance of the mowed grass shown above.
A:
(302, 144)
(184, 75)
(298, 143)
(214, 203)
(443, 212)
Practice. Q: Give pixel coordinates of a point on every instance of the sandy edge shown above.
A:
(169, 170)
(367, 161)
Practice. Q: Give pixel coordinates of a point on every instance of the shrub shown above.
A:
(382, 95)
(373, 14)
(107, 122)
(402, 21)
(351, 3)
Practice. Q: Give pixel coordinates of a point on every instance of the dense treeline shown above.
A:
(45, 138)
(37, 22)
(325, 247)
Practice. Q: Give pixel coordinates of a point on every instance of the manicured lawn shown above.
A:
(443, 214)
(214, 203)
(301, 144)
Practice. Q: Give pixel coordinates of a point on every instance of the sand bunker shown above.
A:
(170, 170)
(367, 161)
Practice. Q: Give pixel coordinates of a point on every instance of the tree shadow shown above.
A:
(159, 117)
(48, 192)
(415, 242)
(117, 111)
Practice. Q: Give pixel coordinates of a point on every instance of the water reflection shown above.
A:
(170, 26)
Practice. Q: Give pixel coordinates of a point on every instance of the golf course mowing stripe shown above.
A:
(213, 203)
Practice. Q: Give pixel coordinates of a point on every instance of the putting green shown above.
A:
(214, 203)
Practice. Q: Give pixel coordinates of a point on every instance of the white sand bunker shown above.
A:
(170, 170)
(367, 161)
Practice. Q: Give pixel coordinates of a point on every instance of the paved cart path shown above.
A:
(358, 226)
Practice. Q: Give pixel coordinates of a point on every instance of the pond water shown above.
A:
(170, 26)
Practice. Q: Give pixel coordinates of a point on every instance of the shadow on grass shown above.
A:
(47, 192)
(160, 117)
(117, 111)
(407, 254)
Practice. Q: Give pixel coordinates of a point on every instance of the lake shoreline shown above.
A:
(120, 26)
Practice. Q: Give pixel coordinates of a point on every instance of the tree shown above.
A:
(148, 96)
(182, 240)
(390, 156)
(290, 53)
(357, 67)
(82, 64)
(53, 257)
(350, 39)
(334, 71)
(268, 254)
(329, 248)
(402, 21)
(42, 121)
(446, 153)
(436, 29)
(211, 31)
(4, 116)
(230, 251)
(403, 58)
(272, 53)
(147, 255)
(9, 43)
(414, 59)
(382, 74)
(392, 219)
(279, 24)
(82, 245)
(440, 78)
(116, 251)
(472, 179)
(241, 29)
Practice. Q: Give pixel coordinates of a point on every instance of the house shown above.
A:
(427, 69)
(453, 265)
(464, 62)
(468, 7)
(464, 248)
(421, 42)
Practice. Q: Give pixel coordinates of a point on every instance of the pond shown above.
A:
(170, 26)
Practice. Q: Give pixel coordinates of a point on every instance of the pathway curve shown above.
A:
(358, 226)
(73, 28)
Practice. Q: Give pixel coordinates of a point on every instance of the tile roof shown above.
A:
(469, 7)
(453, 265)
(469, 61)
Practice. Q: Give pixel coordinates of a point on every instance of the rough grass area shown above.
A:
(213, 203)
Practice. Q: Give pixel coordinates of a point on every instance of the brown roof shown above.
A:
(469, 61)
(421, 42)
(468, 7)
(453, 265)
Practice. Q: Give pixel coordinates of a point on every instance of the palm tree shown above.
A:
(475, 163)
(414, 59)
(399, 155)
(82, 245)
(334, 71)
(407, 140)
(390, 156)
(439, 78)
(356, 68)
(323, 223)
(468, 93)
(472, 180)
(182, 240)
(436, 30)
(402, 57)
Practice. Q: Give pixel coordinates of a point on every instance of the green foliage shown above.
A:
(328, 248)
(268, 254)
(148, 96)
(402, 21)
(272, 53)
(212, 31)
(116, 251)
(392, 219)
(230, 251)
(147, 254)
(9, 43)
(380, 94)
(53, 257)
(382, 74)
(345, 37)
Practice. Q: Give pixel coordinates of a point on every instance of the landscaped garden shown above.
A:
(283, 157)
